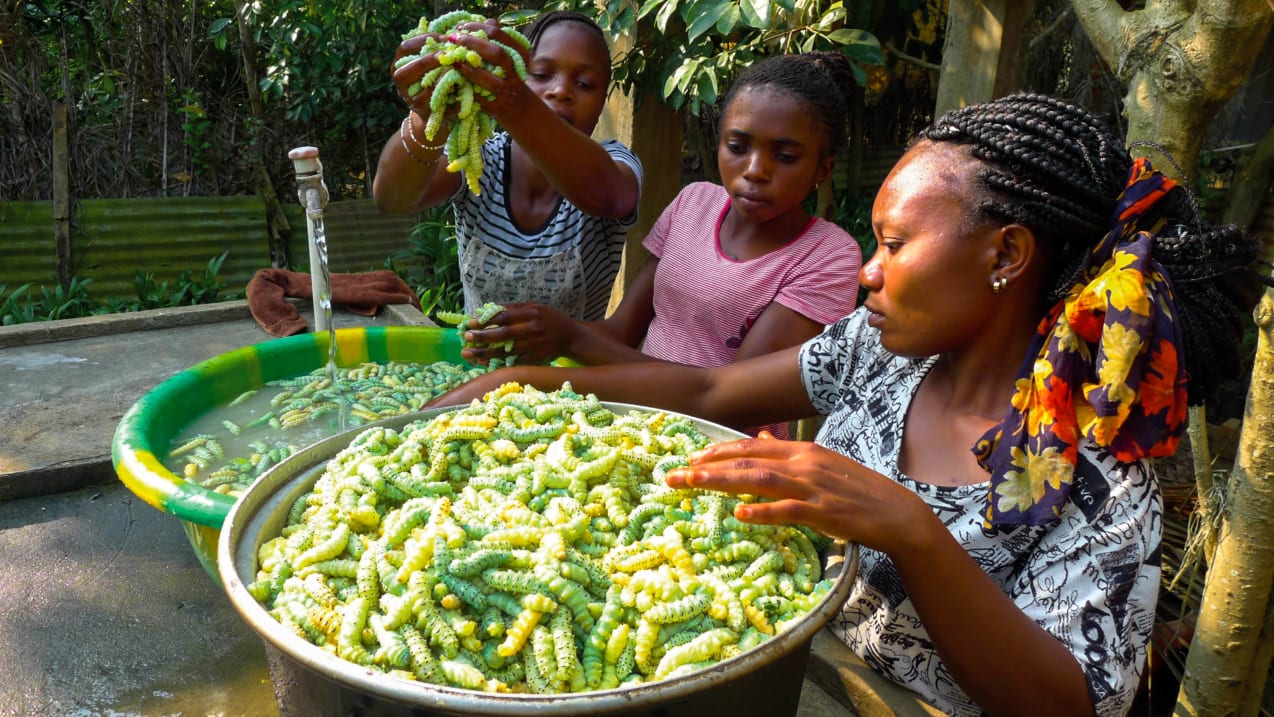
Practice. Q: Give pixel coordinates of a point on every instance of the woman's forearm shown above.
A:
(1003, 659)
(579, 168)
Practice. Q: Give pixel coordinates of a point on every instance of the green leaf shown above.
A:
(707, 12)
(835, 13)
(860, 76)
(649, 7)
(707, 86)
(218, 26)
(789, 5)
(665, 14)
(670, 85)
(624, 22)
(859, 45)
(518, 17)
(756, 13)
(729, 22)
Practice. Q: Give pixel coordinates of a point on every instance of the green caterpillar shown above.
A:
(473, 126)
(483, 589)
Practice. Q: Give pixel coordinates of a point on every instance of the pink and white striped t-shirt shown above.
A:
(705, 302)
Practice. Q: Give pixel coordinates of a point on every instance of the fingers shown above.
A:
(764, 446)
(745, 475)
(413, 45)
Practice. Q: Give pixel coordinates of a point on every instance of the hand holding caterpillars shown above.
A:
(447, 68)
(480, 317)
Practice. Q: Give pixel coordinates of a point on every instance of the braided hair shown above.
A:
(546, 20)
(825, 80)
(1057, 170)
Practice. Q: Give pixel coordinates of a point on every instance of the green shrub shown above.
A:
(431, 265)
(73, 300)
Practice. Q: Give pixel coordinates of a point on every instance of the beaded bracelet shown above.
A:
(415, 140)
(404, 131)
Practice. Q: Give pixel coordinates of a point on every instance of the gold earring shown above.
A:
(998, 284)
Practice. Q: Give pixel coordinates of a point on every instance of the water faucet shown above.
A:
(312, 193)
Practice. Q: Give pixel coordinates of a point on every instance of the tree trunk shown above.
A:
(982, 52)
(1179, 65)
(1181, 61)
(1222, 673)
(276, 222)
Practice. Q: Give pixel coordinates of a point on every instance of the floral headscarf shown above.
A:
(1105, 365)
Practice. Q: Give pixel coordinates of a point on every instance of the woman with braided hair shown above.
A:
(1040, 312)
(555, 205)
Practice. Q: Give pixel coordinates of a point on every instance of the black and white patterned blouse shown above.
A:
(1090, 579)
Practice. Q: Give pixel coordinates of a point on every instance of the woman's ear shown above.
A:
(1016, 251)
(824, 170)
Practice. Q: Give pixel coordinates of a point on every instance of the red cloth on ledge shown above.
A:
(361, 293)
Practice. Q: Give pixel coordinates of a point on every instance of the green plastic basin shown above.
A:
(144, 433)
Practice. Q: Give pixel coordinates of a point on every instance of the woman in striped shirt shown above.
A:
(555, 205)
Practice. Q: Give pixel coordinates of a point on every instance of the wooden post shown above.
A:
(654, 132)
(981, 57)
(61, 196)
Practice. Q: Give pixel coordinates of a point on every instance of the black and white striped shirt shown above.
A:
(570, 262)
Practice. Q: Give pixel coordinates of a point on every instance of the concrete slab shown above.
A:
(105, 610)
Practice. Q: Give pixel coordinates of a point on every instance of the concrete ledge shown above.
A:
(847, 679)
(57, 478)
(67, 383)
(40, 332)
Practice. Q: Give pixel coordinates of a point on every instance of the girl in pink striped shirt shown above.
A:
(739, 269)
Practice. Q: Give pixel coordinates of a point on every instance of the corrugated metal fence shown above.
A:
(114, 238)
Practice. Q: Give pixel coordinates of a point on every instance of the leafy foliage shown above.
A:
(432, 264)
(688, 51)
(54, 301)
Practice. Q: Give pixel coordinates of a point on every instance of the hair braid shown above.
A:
(828, 91)
(1056, 169)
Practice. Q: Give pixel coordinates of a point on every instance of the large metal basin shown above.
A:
(310, 682)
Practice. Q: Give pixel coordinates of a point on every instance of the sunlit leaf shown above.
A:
(706, 15)
(835, 13)
(518, 17)
(665, 14)
(649, 7)
(860, 46)
(756, 13)
(729, 22)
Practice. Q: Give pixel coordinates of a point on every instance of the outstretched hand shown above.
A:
(506, 86)
(538, 333)
(807, 484)
(409, 75)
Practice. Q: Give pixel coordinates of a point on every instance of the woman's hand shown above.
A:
(810, 485)
(507, 88)
(411, 74)
(539, 333)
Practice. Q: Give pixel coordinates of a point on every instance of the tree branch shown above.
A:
(1106, 23)
(1053, 27)
(889, 45)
